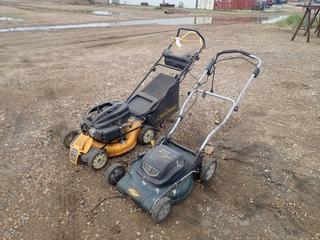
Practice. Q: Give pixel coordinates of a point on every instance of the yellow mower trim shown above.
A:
(83, 143)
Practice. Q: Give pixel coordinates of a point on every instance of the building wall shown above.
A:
(186, 3)
(234, 4)
(202, 4)
(205, 4)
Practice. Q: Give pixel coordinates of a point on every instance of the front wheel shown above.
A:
(147, 135)
(98, 160)
(161, 210)
(114, 173)
(208, 170)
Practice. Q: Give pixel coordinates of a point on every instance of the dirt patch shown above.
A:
(267, 182)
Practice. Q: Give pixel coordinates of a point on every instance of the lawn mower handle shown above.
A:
(234, 102)
(214, 60)
(192, 30)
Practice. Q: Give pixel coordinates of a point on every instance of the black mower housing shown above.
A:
(153, 104)
(104, 121)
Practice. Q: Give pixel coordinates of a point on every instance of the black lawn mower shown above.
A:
(113, 128)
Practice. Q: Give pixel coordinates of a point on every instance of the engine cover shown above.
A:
(161, 165)
(103, 122)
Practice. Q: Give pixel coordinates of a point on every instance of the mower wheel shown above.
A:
(161, 210)
(208, 170)
(68, 137)
(114, 173)
(147, 135)
(98, 160)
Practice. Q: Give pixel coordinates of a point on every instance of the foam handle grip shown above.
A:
(235, 51)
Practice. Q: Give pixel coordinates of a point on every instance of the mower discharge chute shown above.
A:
(113, 128)
(164, 175)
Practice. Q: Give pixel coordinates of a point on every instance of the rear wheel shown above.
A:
(114, 173)
(147, 135)
(161, 210)
(68, 137)
(98, 161)
(208, 170)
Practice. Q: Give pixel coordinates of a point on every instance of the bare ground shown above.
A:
(267, 184)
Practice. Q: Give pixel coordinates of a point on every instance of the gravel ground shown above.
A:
(267, 183)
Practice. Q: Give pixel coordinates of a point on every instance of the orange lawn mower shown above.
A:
(113, 128)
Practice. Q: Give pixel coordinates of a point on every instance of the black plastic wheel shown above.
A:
(161, 210)
(208, 170)
(114, 173)
(98, 160)
(146, 135)
(68, 137)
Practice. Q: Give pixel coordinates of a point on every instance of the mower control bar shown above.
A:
(195, 31)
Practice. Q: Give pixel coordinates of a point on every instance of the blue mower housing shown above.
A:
(155, 174)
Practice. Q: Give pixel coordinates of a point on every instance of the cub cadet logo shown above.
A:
(133, 192)
(167, 111)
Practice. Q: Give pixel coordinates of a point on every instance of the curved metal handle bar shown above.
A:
(234, 102)
(183, 72)
(234, 106)
(183, 112)
(215, 60)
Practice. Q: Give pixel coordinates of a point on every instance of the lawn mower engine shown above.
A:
(105, 121)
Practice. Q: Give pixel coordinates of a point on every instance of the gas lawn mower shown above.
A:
(164, 175)
(113, 128)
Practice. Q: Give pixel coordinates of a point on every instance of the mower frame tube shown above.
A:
(235, 103)
(201, 81)
(182, 110)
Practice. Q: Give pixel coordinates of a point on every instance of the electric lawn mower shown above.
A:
(113, 128)
(164, 175)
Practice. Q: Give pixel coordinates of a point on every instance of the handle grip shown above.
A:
(214, 60)
(234, 51)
